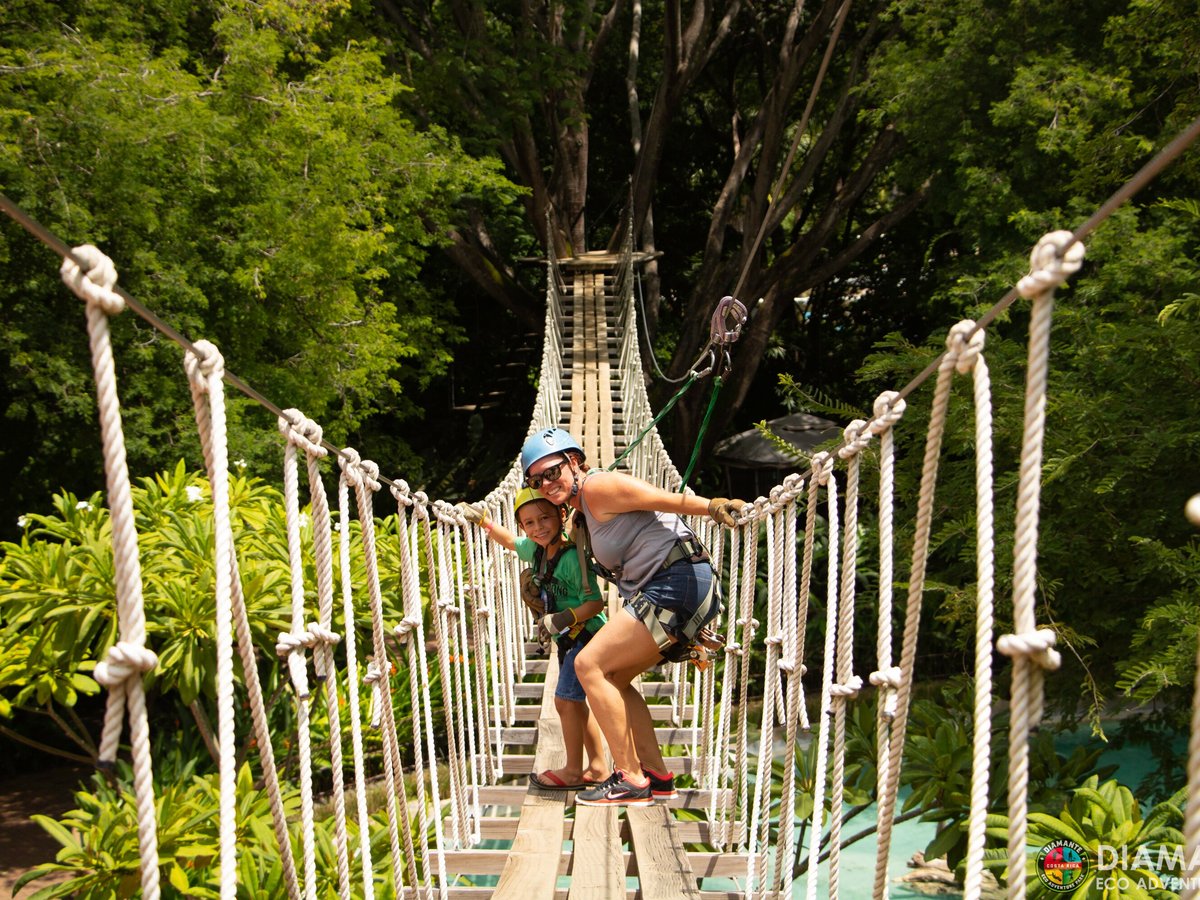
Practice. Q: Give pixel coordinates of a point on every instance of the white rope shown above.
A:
(886, 678)
(363, 476)
(720, 802)
(970, 359)
(848, 684)
(411, 632)
(1053, 259)
(324, 640)
(822, 466)
(760, 812)
(886, 800)
(205, 375)
(293, 426)
(795, 623)
(122, 669)
(748, 625)
(352, 675)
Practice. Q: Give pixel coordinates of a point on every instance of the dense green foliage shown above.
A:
(250, 172)
(58, 616)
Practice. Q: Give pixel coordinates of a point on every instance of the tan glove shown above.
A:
(554, 624)
(531, 596)
(475, 513)
(724, 511)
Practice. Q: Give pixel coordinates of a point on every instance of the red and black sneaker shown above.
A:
(616, 790)
(662, 785)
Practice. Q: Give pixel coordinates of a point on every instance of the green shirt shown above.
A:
(566, 585)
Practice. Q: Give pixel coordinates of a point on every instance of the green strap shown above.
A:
(712, 402)
(666, 409)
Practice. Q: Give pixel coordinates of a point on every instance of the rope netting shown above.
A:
(458, 594)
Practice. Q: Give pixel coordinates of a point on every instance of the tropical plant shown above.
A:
(1129, 854)
(57, 607)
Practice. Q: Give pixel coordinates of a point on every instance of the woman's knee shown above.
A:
(587, 667)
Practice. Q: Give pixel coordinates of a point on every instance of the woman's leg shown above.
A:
(619, 652)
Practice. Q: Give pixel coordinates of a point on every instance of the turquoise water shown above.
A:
(857, 868)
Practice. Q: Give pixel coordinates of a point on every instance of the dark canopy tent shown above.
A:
(753, 464)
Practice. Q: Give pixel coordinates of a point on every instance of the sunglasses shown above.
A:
(551, 473)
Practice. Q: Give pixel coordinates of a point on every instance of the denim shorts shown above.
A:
(679, 588)
(569, 687)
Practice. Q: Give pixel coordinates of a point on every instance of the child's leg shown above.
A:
(570, 703)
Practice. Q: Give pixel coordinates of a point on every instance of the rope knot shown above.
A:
(322, 635)
(348, 461)
(849, 690)
(122, 662)
(857, 437)
(789, 666)
(888, 681)
(963, 345)
(370, 474)
(774, 640)
(401, 493)
(203, 361)
(793, 484)
(420, 501)
(95, 286)
(292, 646)
(1055, 259)
(1036, 645)
(889, 408)
(301, 432)
(406, 627)
(822, 466)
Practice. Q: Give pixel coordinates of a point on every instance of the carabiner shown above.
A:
(721, 331)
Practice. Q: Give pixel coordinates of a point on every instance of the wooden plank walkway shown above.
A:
(596, 853)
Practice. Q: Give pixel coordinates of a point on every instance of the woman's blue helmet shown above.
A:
(545, 442)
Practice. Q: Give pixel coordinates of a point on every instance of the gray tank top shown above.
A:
(633, 545)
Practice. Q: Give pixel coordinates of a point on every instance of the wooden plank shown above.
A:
(597, 864)
(617, 864)
(528, 736)
(533, 690)
(659, 712)
(522, 764)
(504, 828)
(664, 869)
(514, 794)
(531, 866)
(604, 374)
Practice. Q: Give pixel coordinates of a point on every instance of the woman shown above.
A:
(640, 542)
(571, 612)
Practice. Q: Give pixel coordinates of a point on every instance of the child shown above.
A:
(568, 616)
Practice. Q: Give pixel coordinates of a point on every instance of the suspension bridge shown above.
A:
(462, 819)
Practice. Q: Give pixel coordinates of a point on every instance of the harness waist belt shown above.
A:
(689, 549)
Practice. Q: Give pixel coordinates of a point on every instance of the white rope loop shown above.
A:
(1055, 259)
(124, 661)
(95, 286)
(889, 409)
(964, 343)
(1037, 646)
